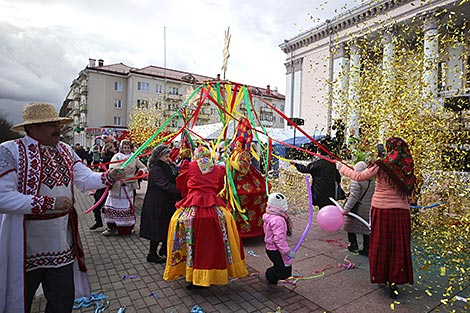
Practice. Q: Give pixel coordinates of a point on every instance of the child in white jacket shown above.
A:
(277, 226)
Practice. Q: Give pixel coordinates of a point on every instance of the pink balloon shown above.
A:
(330, 218)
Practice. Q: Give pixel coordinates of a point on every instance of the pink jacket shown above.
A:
(275, 232)
(385, 195)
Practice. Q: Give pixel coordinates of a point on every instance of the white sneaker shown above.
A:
(109, 232)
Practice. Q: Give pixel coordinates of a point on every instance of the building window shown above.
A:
(117, 86)
(117, 104)
(142, 104)
(159, 89)
(267, 116)
(281, 107)
(158, 105)
(173, 91)
(172, 107)
(441, 76)
(117, 121)
(143, 86)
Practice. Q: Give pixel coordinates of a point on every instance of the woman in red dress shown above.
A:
(203, 242)
(390, 233)
(250, 187)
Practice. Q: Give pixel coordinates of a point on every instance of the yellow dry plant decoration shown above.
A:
(143, 122)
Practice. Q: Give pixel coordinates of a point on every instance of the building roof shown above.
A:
(175, 75)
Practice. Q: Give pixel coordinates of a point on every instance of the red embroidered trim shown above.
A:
(50, 259)
(41, 204)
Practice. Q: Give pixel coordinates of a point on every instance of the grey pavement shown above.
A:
(325, 284)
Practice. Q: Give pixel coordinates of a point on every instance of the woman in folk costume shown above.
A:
(203, 242)
(389, 249)
(119, 212)
(249, 197)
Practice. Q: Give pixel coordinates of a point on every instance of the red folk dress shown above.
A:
(203, 241)
(251, 189)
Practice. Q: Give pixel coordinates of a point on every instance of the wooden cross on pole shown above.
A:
(226, 52)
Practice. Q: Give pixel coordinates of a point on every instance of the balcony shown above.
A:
(84, 90)
(83, 108)
(173, 97)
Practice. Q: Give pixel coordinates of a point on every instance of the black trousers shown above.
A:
(99, 208)
(58, 286)
(278, 270)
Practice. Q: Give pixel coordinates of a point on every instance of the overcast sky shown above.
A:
(45, 44)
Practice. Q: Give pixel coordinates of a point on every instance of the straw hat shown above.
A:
(39, 112)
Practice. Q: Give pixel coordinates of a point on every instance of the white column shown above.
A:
(431, 54)
(353, 89)
(388, 72)
(388, 57)
(340, 79)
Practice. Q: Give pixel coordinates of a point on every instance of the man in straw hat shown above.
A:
(38, 223)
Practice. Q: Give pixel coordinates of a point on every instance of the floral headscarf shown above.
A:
(202, 155)
(398, 164)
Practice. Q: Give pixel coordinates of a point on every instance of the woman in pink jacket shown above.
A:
(390, 234)
(277, 225)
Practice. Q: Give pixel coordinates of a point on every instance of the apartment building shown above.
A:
(102, 98)
(328, 59)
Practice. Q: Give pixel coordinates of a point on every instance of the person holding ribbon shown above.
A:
(119, 212)
(277, 226)
(325, 177)
(390, 235)
(203, 241)
(40, 242)
(159, 202)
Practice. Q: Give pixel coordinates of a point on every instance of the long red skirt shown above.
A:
(390, 246)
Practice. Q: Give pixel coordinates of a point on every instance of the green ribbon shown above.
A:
(158, 131)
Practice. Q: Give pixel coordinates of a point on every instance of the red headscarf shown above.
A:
(398, 164)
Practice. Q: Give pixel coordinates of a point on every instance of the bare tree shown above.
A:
(5, 132)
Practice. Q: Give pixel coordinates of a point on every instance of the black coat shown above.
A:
(324, 177)
(159, 202)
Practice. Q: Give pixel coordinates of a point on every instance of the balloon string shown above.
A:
(310, 215)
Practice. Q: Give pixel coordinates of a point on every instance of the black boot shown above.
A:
(352, 247)
(162, 251)
(365, 249)
(96, 226)
(393, 290)
(152, 256)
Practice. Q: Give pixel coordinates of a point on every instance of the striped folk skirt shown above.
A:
(390, 246)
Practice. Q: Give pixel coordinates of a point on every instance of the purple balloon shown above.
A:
(330, 218)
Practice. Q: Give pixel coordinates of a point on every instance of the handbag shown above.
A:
(356, 205)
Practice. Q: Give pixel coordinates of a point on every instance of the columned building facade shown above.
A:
(324, 65)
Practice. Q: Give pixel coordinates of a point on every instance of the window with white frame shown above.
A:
(117, 86)
(143, 86)
(159, 89)
(117, 121)
(142, 104)
(173, 91)
(117, 104)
